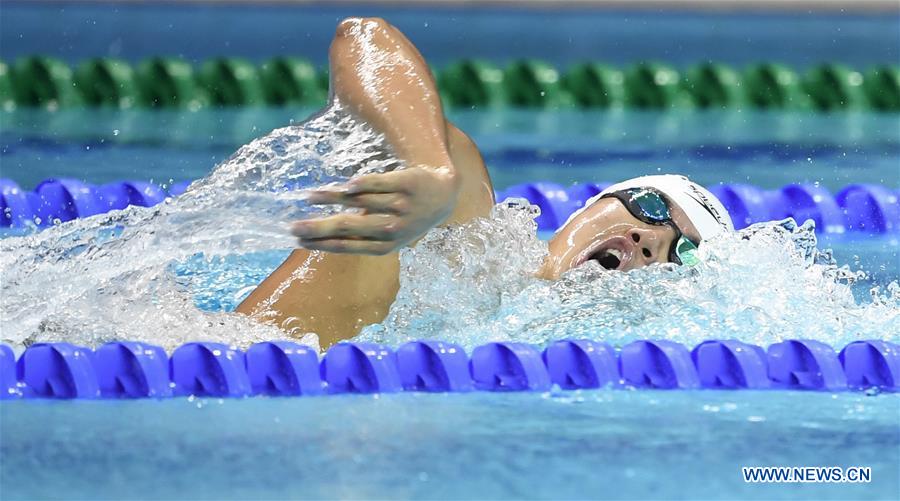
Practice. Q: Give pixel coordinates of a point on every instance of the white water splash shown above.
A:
(137, 274)
(475, 284)
(116, 275)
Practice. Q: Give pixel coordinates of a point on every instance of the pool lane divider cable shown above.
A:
(868, 208)
(283, 368)
(160, 82)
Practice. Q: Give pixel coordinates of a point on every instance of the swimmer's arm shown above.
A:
(395, 93)
(334, 295)
(475, 198)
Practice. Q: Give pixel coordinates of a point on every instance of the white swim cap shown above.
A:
(702, 208)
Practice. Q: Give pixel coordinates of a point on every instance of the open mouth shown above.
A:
(610, 259)
(612, 254)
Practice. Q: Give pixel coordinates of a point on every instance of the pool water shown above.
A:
(609, 444)
(767, 149)
(76, 31)
(557, 445)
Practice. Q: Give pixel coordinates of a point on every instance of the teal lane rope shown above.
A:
(161, 82)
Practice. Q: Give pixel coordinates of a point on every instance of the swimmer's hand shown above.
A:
(399, 207)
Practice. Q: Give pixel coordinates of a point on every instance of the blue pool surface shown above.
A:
(617, 444)
(765, 149)
(74, 31)
(608, 444)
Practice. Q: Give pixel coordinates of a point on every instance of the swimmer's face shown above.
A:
(608, 233)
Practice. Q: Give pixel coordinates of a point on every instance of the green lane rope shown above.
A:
(231, 82)
(770, 85)
(292, 81)
(107, 82)
(882, 88)
(7, 99)
(472, 83)
(535, 84)
(162, 82)
(594, 85)
(835, 86)
(655, 86)
(44, 81)
(715, 86)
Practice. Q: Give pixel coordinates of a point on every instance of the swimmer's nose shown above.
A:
(650, 245)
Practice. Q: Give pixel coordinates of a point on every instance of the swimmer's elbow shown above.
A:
(353, 27)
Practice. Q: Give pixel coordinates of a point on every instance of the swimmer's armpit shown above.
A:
(399, 207)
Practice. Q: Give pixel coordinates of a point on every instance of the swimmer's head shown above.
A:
(645, 220)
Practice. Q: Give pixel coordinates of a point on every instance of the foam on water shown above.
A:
(115, 276)
(138, 274)
(474, 284)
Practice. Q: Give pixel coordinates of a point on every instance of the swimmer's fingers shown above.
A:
(399, 207)
(347, 246)
(391, 203)
(398, 181)
(326, 196)
(381, 227)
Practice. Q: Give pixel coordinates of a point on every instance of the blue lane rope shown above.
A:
(867, 208)
(284, 368)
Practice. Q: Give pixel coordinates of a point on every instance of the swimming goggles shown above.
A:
(651, 207)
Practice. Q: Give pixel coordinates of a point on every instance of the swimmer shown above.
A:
(346, 273)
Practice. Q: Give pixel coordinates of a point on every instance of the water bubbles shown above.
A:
(873, 391)
(137, 273)
(474, 284)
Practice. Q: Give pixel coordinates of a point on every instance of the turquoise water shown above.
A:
(767, 149)
(559, 445)
(79, 30)
(593, 444)
(572, 445)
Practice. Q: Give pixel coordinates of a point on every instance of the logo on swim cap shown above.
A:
(701, 207)
(707, 204)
